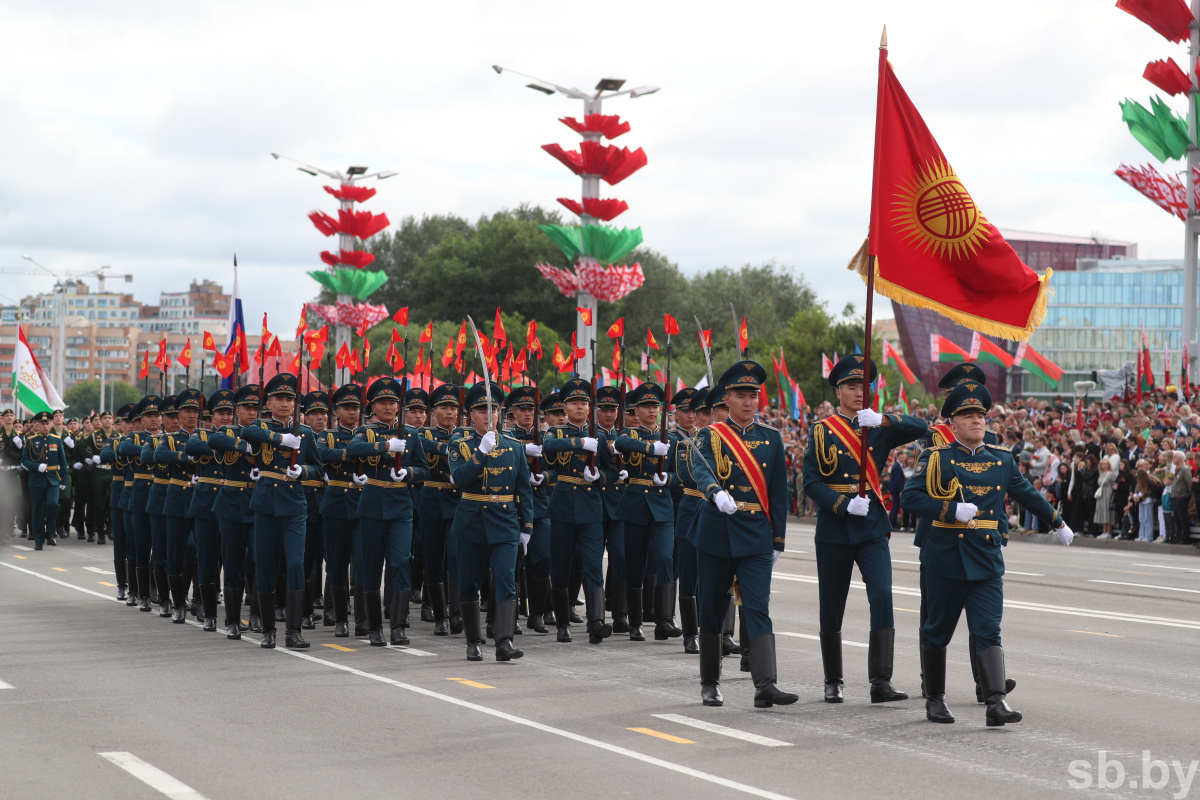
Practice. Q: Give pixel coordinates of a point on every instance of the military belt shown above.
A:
(573, 479)
(843, 488)
(279, 476)
(211, 481)
(488, 498)
(643, 482)
(118, 478)
(161, 481)
(745, 506)
(236, 484)
(53, 468)
(986, 524)
(178, 482)
(439, 485)
(387, 484)
(313, 484)
(141, 476)
(693, 492)
(342, 485)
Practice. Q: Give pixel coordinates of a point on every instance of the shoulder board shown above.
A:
(937, 447)
(768, 427)
(999, 447)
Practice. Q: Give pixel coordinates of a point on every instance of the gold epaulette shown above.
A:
(938, 447)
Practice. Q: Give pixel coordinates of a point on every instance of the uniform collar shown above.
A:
(976, 451)
(517, 427)
(739, 428)
(572, 426)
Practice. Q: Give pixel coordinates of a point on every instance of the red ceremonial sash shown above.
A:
(943, 430)
(754, 473)
(851, 439)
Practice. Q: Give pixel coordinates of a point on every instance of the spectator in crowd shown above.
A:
(1102, 497)
(1181, 498)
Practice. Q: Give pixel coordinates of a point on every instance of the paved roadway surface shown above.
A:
(1104, 645)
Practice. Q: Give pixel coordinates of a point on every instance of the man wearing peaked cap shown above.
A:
(93, 478)
(155, 501)
(416, 414)
(145, 418)
(852, 521)
(522, 402)
(45, 459)
(122, 547)
(740, 467)
(339, 505)
(608, 409)
(182, 548)
(435, 513)
(686, 507)
(316, 417)
(961, 488)
(209, 474)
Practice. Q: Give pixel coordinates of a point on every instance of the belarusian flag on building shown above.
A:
(1035, 363)
(942, 349)
(984, 350)
(31, 387)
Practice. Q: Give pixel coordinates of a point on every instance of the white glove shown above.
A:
(859, 506)
(289, 440)
(724, 502)
(591, 474)
(623, 475)
(325, 475)
(965, 511)
(661, 449)
(22, 468)
(188, 457)
(77, 465)
(487, 442)
(525, 537)
(775, 554)
(660, 478)
(195, 480)
(95, 459)
(41, 467)
(249, 448)
(452, 483)
(69, 442)
(396, 445)
(1065, 535)
(533, 450)
(254, 474)
(359, 480)
(869, 419)
(537, 480)
(398, 476)
(294, 472)
(18, 441)
(590, 444)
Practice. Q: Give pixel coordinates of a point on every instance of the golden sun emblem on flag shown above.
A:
(935, 210)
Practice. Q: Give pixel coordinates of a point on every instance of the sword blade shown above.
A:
(487, 376)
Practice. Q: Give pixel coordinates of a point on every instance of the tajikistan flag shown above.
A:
(31, 387)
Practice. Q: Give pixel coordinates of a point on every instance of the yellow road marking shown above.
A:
(17, 556)
(106, 583)
(1097, 633)
(338, 647)
(58, 569)
(471, 683)
(776, 591)
(910, 610)
(245, 622)
(661, 735)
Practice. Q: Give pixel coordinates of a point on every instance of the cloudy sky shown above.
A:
(138, 134)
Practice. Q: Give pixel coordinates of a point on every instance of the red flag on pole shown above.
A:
(743, 337)
(586, 313)
(617, 329)
(448, 355)
(498, 334)
(461, 343)
(145, 370)
(401, 317)
(426, 335)
(671, 325)
(207, 342)
(185, 355)
(650, 341)
(302, 325)
(223, 363)
(342, 359)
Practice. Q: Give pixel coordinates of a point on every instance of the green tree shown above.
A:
(84, 397)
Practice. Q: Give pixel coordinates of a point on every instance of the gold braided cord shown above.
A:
(724, 463)
(933, 480)
(827, 458)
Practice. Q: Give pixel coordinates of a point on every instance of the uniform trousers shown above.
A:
(339, 543)
(474, 560)
(158, 540)
(313, 538)
(44, 501)
(439, 555)
(279, 540)
(614, 544)
(236, 539)
(649, 550)
(116, 529)
(568, 539)
(715, 576)
(686, 566)
(537, 556)
(835, 566)
(207, 533)
(377, 539)
(983, 601)
(137, 527)
(178, 534)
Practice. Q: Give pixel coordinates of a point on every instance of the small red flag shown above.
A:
(241, 350)
(520, 364)
(461, 344)
(294, 365)
(420, 360)
(586, 313)
(390, 355)
(576, 351)
(743, 337)
(706, 339)
(160, 360)
(276, 347)
(145, 370)
(616, 356)
(324, 333)
(224, 364)
(361, 330)
(396, 337)
(342, 359)
(354, 364)
(650, 342)
(401, 317)
(671, 324)
(557, 358)
(366, 359)
(302, 325)
(427, 334)
(448, 356)
(617, 329)
(531, 340)
(185, 355)
(498, 333)
(207, 342)
(459, 366)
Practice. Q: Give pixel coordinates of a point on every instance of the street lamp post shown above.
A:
(606, 89)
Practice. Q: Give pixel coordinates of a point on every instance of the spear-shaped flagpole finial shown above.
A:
(883, 39)
(235, 259)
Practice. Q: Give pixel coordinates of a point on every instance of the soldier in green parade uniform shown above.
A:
(10, 473)
(702, 405)
(649, 514)
(339, 505)
(537, 545)
(553, 415)
(279, 505)
(416, 415)
(741, 468)
(95, 477)
(494, 513)
(686, 507)
(156, 499)
(853, 528)
(385, 507)
(209, 476)
(616, 585)
(144, 421)
(58, 429)
(231, 506)
(171, 452)
(121, 541)
(315, 406)
(46, 460)
(961, 488)
(435, 512)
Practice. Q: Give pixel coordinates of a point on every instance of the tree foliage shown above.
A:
(84, 397)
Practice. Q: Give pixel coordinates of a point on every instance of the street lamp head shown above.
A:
(26, 256)
(275, 156)
(540, 86)
(498, 68)
(386, 174)
(356, 171)
(610, 84)
(312, 172)
(641, 90)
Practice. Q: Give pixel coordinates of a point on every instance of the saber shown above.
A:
(487, 377)
(707, 350)
(691, 442)
(736, 331)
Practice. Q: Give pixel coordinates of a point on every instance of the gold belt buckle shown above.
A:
(971, 523)
(495, 498)
(741, 504)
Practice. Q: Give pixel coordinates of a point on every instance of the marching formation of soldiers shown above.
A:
(478, 506)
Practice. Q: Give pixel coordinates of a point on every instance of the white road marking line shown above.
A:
(21, 547)
(797, 552)
(1030, 574)
(99, 571)
(817, 638)
(1146, 586)
(612, 748)
(410, 650)
(152, 776)
(4, 685)
(1023, 605)
(902, 561)
(721, 729)
(1155, 566)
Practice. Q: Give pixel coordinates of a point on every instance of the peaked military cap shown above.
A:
(125, 412)
(644, 395)
(683, 398)
(384, 388)
(967, 396)
(188, 398)
(315, 401)
(716, 397)
(220, 400)
(167, 406)
(699, 400)
(576, 389)
(417, 398)
(348, 394)
(282, 385)
(247, 395)
(521, 397)
(444, 395)
(43, 416)
(608, 397)
(852, 368)
(477, 395)
(552, 402)
(744, 375)
(968, 371)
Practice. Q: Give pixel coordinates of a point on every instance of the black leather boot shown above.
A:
(1009, 683)
(470, 621)
(489, 612)
(233, 612)
(574, 584)
(561, 601)
(164, 592)
(417, 572)
(506, 617)
(619, 599)
(122, 580)
(539, 591)
(487, 595)
(374, 603)
(728, 646)
(143, 579)
(192, 600)
(934, 664)
(399, 618)
(598, 630)
(266, 607)
(688, 615)
(991, 675)
(178, 599)
(341, 601)
(208, 599)
(456, 623)
(360, 612)
(831, 660)
(633, 598)
(294, 614)
(647, 599)
(880, 648)
(281, 599)
(710, 669)
(435, 593)
(744, 641)
(132, 596)
(762, 672)
(664, 613)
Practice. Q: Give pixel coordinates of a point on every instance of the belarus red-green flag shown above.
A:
(931, 245)
(1147, 375)
(902, 399)
(891, 356)
(1035, 363)
(983, 350)
(942, 349)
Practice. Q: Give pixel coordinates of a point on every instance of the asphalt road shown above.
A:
(100, 701)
